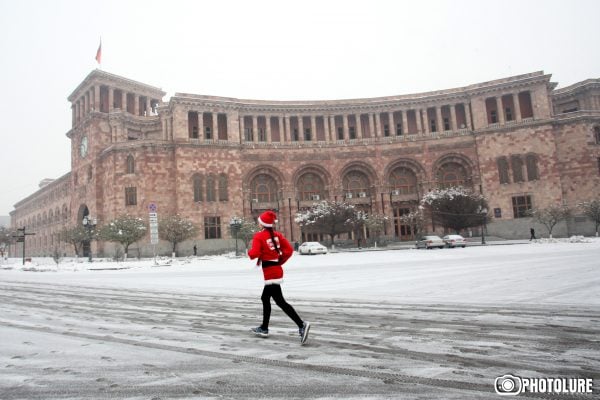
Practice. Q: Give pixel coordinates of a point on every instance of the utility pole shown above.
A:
(21, 238)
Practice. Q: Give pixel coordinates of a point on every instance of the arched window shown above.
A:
(264, 188)
(130, 164)
(451, 174)
(356, 184)
(532, 167)
(516, 163)
(197, 183)
(403, 181)
(311, 187)
(503, 173)
(223, 189)
(211, 194)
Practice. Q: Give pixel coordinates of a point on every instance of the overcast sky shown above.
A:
(279, 50)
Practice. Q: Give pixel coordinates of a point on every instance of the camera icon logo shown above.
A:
(508, 385)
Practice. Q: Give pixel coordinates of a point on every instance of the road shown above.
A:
(64, 341)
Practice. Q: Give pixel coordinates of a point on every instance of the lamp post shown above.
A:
(235, 224)
(89, 223)
(483, 212)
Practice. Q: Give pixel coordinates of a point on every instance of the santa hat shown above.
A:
(267, 219)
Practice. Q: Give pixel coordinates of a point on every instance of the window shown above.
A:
(597, 134)
(262, 135)
(493, 116)
(446, 124)
(212, 227)
(295, 137)
(503, 170)
(517, 168)
(340, 132)
(264, 188)
(130, 164)
(452, 174)
(508, 114)
(223, 196)
(311, 187)
(130, 196)
(210, 189)
(90, 173)
(398, 129)
(307, 135)
(403, 181)
(356, 183)
(433, 126)
(352, 132)
(208, 132)
(197, 182)
(532, 168)
(386, 130)
(521, 206)
(248, 134)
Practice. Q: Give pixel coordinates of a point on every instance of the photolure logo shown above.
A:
(511, 385)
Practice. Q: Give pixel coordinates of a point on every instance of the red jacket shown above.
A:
(263, 249)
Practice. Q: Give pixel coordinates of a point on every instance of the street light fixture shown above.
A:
(89, 223)
(235, 224)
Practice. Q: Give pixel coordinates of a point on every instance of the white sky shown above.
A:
(310, 49)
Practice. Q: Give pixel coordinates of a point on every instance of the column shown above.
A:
(332, 132)
(440, 120)
(418, 121)
(281, 129)
(97, 98)
(268, 127)
(358, 126)
(453, 123)
(425, 121)
(288, 133)
(136, 105)
(201, 134)
(300, 129)
(517, 107)
(326, 123)
(378, 125)
(371, 125)
(111, 99)
(468, 116)
(391, 123)
(345, 125)
(313, 128)
(148, 108)
(500, 110)
(85, 104)
(242, 129)
(255, 129)
(405, 122)
(123, 101)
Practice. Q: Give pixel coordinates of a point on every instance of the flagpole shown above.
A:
(99, 54)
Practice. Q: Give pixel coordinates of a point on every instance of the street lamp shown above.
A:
(89, 223)
(235, 224)
(483, 212)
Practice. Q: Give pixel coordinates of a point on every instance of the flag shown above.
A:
(99, 53)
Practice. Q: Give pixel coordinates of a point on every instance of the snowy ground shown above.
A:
(403, 324)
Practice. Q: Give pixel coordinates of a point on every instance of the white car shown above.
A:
(454, 241)
(312, 248)
(430, 242)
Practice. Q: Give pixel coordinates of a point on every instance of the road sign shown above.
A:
(153, 219)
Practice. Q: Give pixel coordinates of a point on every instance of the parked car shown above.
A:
(312, 248)
(454, 241)
(430, 242)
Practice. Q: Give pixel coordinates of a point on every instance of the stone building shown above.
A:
(518, 140)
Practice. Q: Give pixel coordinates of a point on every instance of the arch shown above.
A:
(404, 169)
(358, 179)
(263, 184)
(453, 169)
(311, 183)
(363, 167)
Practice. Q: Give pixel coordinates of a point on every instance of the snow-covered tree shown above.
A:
(328, 217)
(375, 223)
(176, 229)
(591, 209)
(245, 229)
(125, 229)
(416, 220)
(550, 216)
(6, 239)
(456, 208)
(76, 236)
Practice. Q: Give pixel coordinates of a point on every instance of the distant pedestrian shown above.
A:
(272, 250)
(532, 232)
(296, 245)
(195, 250)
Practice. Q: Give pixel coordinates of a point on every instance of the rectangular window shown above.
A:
(493, 116)
(352, 132)
(248, 134)
(340, 133)
(307, 135)
(521, 206)
(398, 129)
(508, 114)
(433, 127)
(446, 124)
(130, 196)
(386, 130)
(208, 132)
(212, 227)
(295, 135)
(262, 135)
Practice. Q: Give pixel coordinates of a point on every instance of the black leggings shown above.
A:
(274, 291)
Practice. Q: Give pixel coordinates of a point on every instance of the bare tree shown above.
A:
(328, 217)
(456, 208)
(126, 230)
(76, 236)
(550, 216)
(591, 209)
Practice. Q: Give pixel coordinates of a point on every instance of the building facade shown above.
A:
(519, 141)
